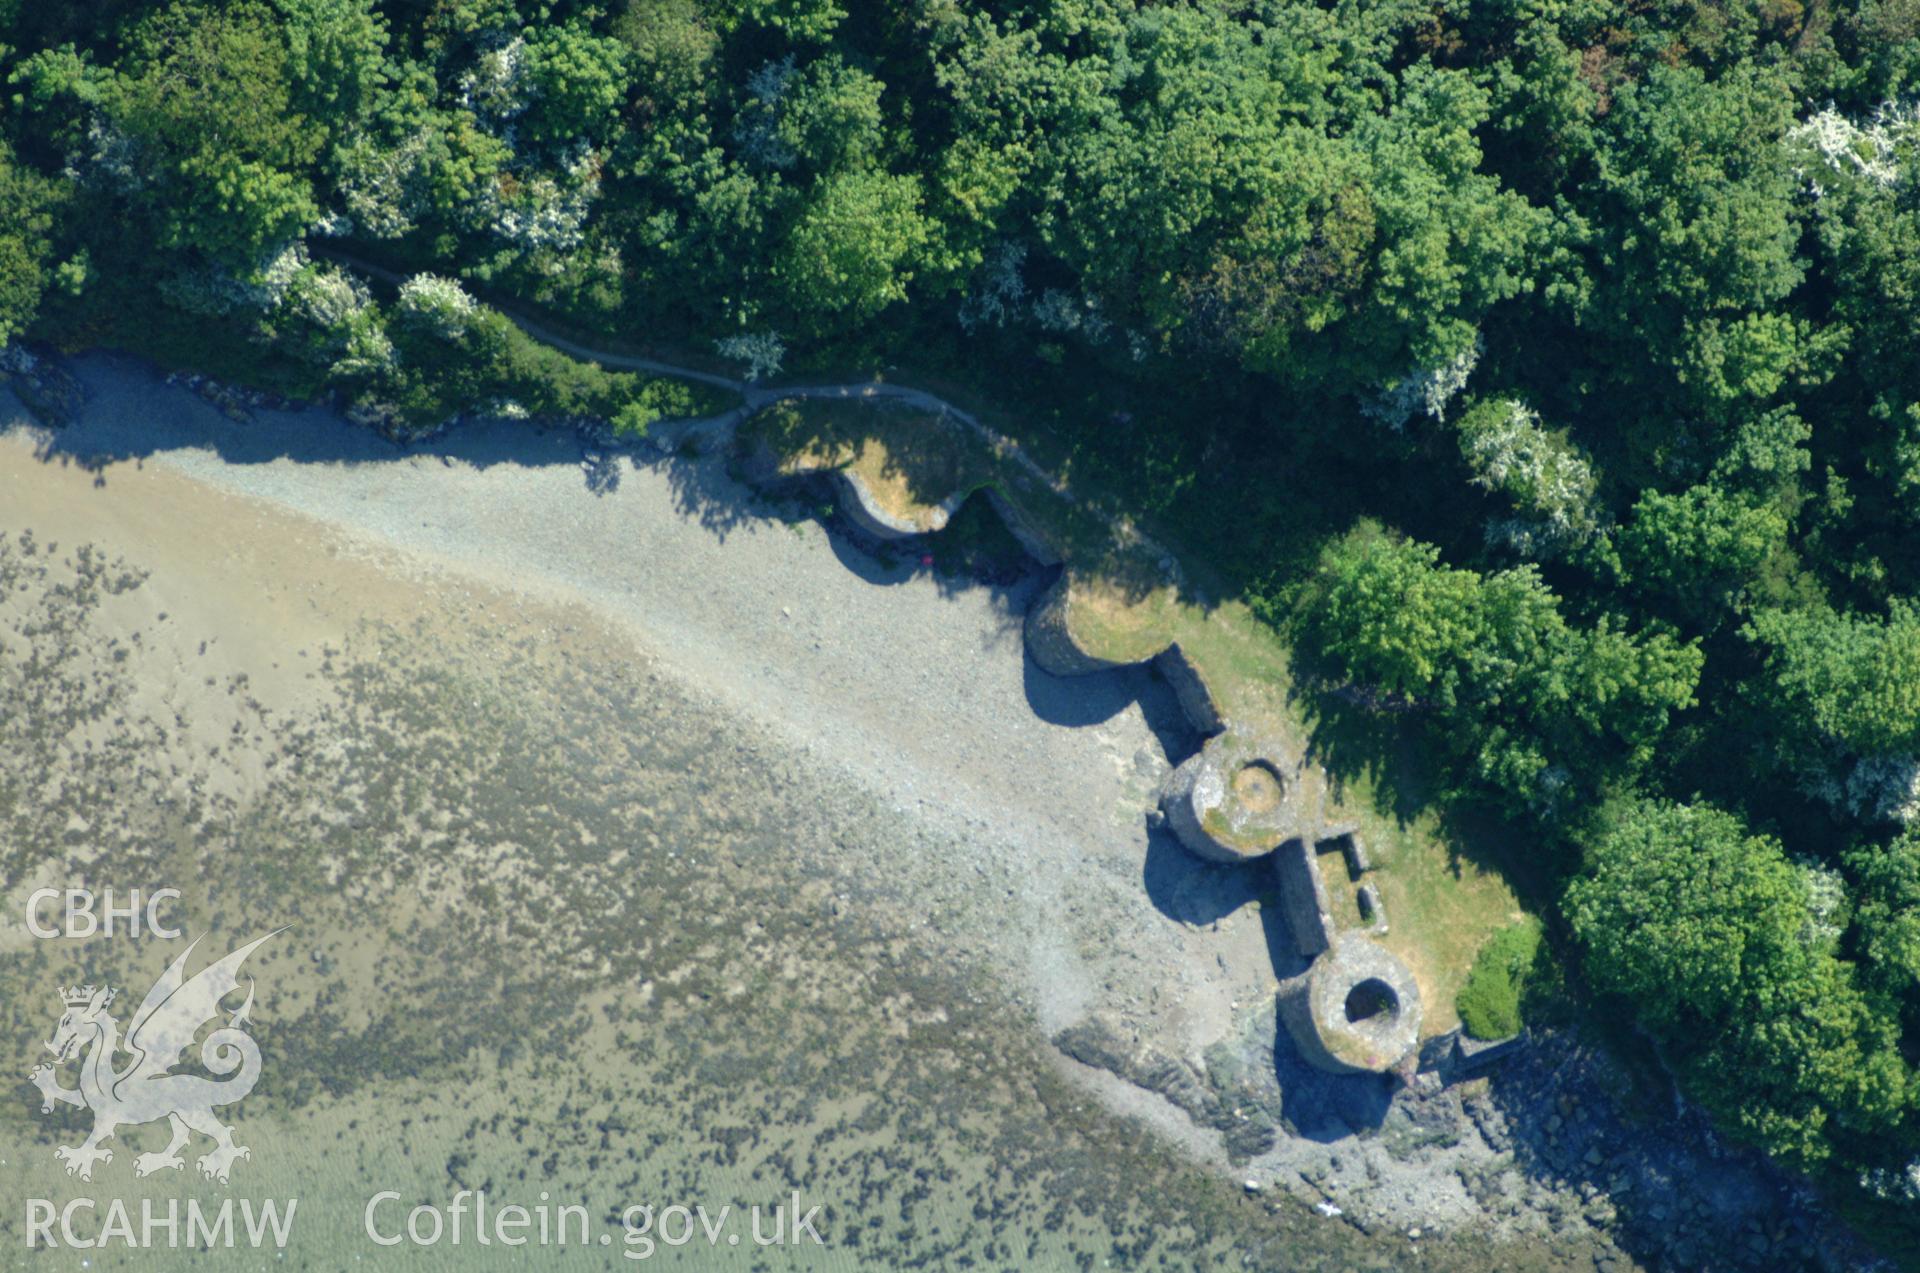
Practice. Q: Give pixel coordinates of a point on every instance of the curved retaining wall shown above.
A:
(858, 505)
(1051, 640)
(1048, 633)
(1190, 688)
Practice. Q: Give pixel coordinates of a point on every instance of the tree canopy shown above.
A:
(1544, 370)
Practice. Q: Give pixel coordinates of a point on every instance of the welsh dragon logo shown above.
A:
(144, 1090)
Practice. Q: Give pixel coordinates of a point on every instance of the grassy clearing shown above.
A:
(1241, 659)
(1441, 909)
(910, 461)
(1127, 601)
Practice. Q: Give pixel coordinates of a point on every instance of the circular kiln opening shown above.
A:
(1372, 1000)
(1258, 787)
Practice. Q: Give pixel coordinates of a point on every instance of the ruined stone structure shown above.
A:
(1050, 639)
(1373, 910)
(1240, 795)
(859, 505)
(1355, 1010)
(1190, 688)
(1243, 797)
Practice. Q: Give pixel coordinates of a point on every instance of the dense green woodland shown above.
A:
(1547, 370)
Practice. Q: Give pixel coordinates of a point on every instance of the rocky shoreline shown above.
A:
(1547, 1147)
(1539, 1150)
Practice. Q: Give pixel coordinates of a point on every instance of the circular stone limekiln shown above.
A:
(1241, 796)
(1356, 1010)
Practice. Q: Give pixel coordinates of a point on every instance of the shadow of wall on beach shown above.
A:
(132, 415)
(1317, 1106)
(1079, 701)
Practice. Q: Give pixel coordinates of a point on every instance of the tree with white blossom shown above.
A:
(437, 305)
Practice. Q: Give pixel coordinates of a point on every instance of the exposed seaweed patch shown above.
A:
(571, 931)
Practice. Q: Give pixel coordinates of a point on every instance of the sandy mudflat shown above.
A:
(619, 852)
(913, 687)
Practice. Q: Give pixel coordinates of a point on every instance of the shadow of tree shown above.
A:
(1389, 753)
